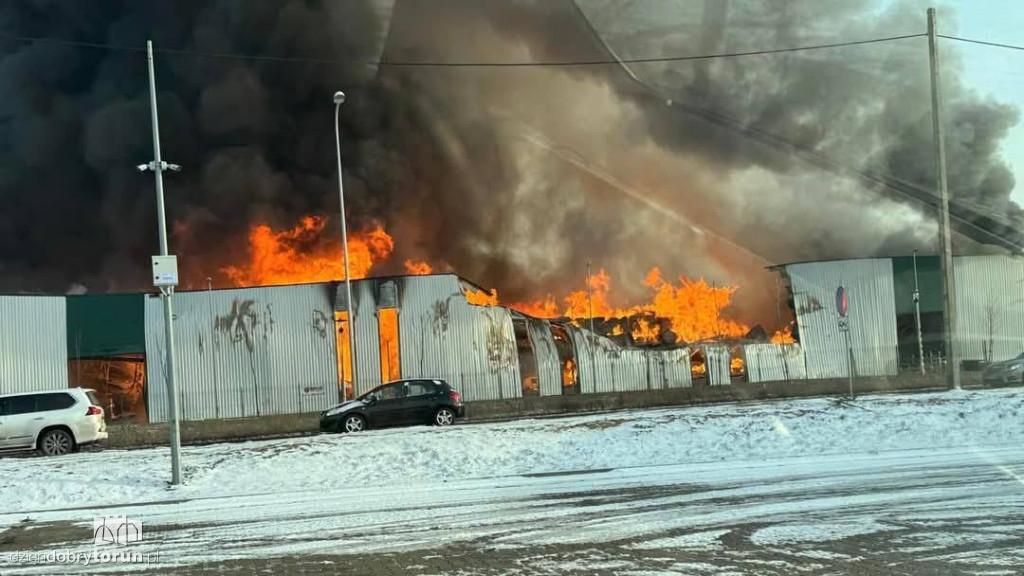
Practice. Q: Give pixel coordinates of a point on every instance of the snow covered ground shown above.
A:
(761, 479)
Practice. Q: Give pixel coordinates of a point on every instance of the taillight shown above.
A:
(455, 396)
(94, 411)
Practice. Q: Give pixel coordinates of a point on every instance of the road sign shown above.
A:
(842, 302)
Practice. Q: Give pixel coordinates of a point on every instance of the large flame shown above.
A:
(694, 308)
(304, 254)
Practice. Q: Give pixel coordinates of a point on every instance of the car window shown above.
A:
(422, 388)
(46, 402)
(392, 391)
(22, 404)
(92, 398)
(3, 406)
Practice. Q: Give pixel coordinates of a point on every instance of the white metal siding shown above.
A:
(872, 317)
(367, 337)
(717, 362)
(443, 336)
(774, 362)
(33, 344)
(245, 352)
(989, 306)
(549, 367)
(604, 366)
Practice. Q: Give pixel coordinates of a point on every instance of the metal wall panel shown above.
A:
(989, 306)
(367, 336)
(549, 368)
(33, 344)
(717, 360)
(872, 317)
(604, 366)
(774, 362)
(245, 352)
(676, 364)
(441, 335)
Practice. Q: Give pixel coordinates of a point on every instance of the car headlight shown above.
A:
(334, 411)
(1016, 367)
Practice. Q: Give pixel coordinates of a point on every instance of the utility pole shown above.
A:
(946, 241)
(166, 289)
(917, 318)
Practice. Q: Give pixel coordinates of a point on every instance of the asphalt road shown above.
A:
(949, 511)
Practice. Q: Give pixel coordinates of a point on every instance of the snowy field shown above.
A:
(786, 477)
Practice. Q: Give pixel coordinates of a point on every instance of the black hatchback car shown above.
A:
(404, 402)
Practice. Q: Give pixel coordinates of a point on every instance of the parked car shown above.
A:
(1006, 372)
(403, 402)
(55, 423)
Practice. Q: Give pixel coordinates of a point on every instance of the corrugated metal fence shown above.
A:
(245, 352)
(771, 362)
(607, 367)
(33, 344)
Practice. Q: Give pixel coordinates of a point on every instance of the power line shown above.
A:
(982, 42)
(440, 64)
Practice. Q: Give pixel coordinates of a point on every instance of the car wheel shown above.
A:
(354, 423)
(56, 443)
(444, 417)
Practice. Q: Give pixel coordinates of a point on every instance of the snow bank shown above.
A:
(749, 432)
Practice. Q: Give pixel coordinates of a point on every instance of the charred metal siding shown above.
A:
(33, 344)
(872, 316)
(245, 352)
(549, 368)
(773, 362)
(442, 336)
(604, 366)
(989, 307)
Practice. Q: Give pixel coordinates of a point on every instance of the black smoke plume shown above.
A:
(513, 177)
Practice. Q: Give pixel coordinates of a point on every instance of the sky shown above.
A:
(994, 72)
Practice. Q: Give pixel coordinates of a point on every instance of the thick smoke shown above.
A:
(513, 177)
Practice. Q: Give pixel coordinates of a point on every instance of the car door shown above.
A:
(22, 421)
(422, 400)
(388, 409)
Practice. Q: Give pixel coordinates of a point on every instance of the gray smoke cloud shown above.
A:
(513, 177)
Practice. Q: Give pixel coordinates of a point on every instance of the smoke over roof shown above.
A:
(512, 176)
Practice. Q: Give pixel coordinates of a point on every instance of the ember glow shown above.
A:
(305, 253)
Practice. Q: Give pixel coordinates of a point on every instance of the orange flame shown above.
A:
(418, 268)
(693, 307)
(304, 254)
(783, 336)
(480, 298)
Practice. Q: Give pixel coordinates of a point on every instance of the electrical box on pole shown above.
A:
(165, 271)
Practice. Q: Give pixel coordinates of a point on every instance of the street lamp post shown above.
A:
(339, 98)
(157, 166)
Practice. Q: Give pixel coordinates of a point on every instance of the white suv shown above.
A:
(54, 423)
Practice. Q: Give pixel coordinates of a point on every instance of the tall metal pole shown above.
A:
(948, 287)
(593, 335)
(917, 318)
(165, 293)
(339, 97)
